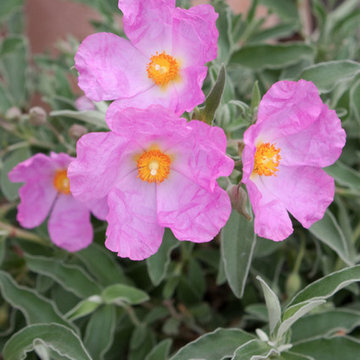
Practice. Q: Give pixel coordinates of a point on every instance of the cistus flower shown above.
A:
(47, 191)
(295, 136)
(157, 170)
(163, 63)
(83, 103)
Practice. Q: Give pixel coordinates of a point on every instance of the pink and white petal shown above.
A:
(202, 158)
(110, 68)
(189, 89)
(191, 212)
(69, 224)
(148, 24)
(133, 229)
(61, 160)
(288, 107)
(195, 35)
(140, 124)
(271, 219)
(320, 144)
(37, 167)
(36, 199)
(101, 160)
(98, 207)
(305, 191)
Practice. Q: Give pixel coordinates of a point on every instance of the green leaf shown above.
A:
(327, 75)
(328, 285)
(266, 56)
(2, 248)
(324, 324)
(84, 307)
(10, 189)
(7, 7)
(294, 313)
(345, 175)
(11, 44)
(100, 330)
(328, 231)
(256, 96)
(272, 304)
(34, 307)
(158, 264)
(237, 247)
(5, 101)
(71, 277)
(118, 293)
(92, 117)
(293, 356)
(57, 337)
(213, 100)
(355, 103)
(216, 345)
(343, 348)
(253, 350)
(284, 8)
(161, 351)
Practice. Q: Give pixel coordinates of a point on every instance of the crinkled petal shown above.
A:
(148, 24)
(195, 35)
(38, 191)
(288, 107)
(101, 159)
(191, 212)
(133, 229)
(202, 158)
(111, 68)
(320, 144)
(61, 160)
(98, 207)
(271, 220)
(179, 96)
(69, 224)
(305, 191)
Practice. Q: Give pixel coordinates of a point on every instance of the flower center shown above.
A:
(61, 182)
(267, 159)
(153, 166)
(162, 68)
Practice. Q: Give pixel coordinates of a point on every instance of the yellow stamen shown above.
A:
(154, 166)
(267, 159)
(61, 182)
(162, 68)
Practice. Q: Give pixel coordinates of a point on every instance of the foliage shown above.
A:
(237, 297)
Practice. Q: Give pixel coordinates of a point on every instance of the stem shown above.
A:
(22, 234)
(304, 10)
(132, 315)
(60, 138)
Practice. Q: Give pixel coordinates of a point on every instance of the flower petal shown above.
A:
(98, 207)
(100, 161)
(195, 35)
(271, 220)
(191, 212)
(320, 144)
(111, 68)
(61, 160)
(38, 191)
(305, 191)
(69, 224)
(203, 158)
(133, 229)
(148, 24)
(288, 107)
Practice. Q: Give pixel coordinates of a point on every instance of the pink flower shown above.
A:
(47, 190)
(157, 171)
(295, 136)
(163, 63)
(83, 103)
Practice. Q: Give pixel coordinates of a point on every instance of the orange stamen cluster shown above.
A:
(61, 182)
(153, 166)
(162, 68)
(267, 159)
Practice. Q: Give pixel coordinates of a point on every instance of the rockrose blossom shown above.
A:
(163, 63)
(295, 136)
(157, 170)
(47, 190)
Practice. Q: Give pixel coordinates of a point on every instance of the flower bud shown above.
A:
(77, 131)
(238, 197)
(37, 116)
(293, 284)
(13, 114)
